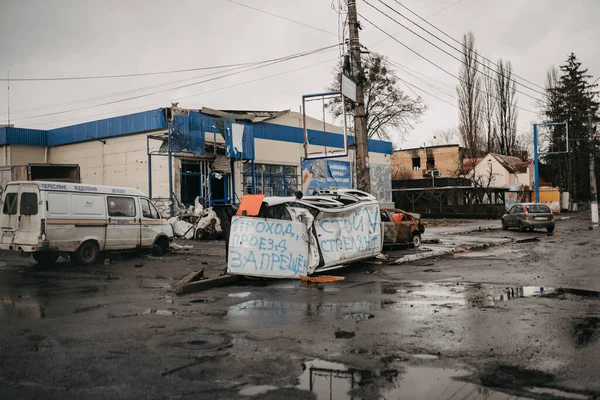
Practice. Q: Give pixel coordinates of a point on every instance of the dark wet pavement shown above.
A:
(517, 321)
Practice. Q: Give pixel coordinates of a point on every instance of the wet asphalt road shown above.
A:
(514, 321)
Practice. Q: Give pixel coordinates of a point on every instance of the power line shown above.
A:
(444, 9)
(283, 59)
(433, 44)
(197, 94)
(174, 71)
(426, 59)
(282, 17)
(462, 45)
(114, 94)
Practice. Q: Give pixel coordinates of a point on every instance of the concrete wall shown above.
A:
(446, 160)
(16, 154)
(122, 161)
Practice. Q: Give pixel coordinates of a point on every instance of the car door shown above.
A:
(29, 222)
(10, 210)
(517, 216)
(389, 228)
(151, 224)
(510, 217)
(123, 229)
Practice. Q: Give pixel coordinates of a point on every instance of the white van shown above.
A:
(50, 218)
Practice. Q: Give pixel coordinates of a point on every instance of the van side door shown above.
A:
(123, 229)
(151, 223)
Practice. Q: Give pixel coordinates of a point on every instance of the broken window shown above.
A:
(416, 163)
(430, 162)
(271, 180)
(10, 204)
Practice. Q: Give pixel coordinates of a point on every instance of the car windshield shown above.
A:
(538, 209)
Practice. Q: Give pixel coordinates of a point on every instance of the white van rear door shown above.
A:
(29, 216)
(10, 211)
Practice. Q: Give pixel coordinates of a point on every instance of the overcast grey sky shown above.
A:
(91, 37)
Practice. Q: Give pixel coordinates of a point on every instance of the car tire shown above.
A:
(46, 257)
(87, 253)
(521, 226)
(415, 241)
(504, 225)
(550, 229)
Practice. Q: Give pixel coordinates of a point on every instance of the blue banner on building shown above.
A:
(325, 174)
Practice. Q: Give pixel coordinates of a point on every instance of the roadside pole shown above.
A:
(593, 190)
(363, 178)
(536, 162)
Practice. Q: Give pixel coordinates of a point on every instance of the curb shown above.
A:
(466, 232)
(444, 252)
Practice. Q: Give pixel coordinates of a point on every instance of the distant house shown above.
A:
(417, 163)
(497, 170)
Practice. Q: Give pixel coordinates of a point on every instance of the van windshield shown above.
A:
(538, 209)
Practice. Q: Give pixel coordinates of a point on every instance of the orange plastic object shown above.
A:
(251, 204)
(397, 217)
(322, 279)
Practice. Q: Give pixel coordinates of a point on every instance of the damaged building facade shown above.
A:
(176, 155)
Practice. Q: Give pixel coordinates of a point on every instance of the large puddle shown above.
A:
(335, 381)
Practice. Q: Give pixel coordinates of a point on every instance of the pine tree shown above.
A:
(570, 99)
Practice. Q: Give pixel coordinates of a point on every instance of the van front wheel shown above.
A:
(87, 253)
(45, 257)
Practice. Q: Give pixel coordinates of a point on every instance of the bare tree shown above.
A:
(389, 110)
(469, 98)
(445, 136)
(506, 109)
(489, 108)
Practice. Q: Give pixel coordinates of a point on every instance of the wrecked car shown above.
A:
(401, 227)
(286, 237)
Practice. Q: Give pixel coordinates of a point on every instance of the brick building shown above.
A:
(418, 163)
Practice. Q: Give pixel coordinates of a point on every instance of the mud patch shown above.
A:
(256, 390)
(585, 331)
(344, 335)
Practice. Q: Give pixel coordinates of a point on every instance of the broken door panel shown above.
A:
(268, 248)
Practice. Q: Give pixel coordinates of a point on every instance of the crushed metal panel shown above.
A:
(349, 235)
(268, 248)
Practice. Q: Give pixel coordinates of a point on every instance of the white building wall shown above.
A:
(21, 154)
(490, 173)
(122, 161)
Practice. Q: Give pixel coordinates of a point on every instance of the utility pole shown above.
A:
(593, 190)
(363, 178)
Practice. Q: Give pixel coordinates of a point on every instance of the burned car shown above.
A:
(401, 227)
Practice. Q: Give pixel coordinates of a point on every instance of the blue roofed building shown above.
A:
(217, 155)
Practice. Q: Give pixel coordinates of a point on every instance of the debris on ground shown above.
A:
(197, 224)
(176, 246)
(344, 335)
(321, 279)
(138, 265)
(206, 283)
(527, 240)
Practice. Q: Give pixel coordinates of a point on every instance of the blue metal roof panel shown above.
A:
(29, 137)
(296, 135)
(123, 125)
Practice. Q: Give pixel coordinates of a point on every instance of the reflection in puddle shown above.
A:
(330, 380)
(425, 356)
(22, 306)
(256, 390)
(558, 393)
(510, 293)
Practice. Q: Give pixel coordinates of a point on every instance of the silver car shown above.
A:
(529, 216)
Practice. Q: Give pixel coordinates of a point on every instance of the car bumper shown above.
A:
(538, 224)
(26, 248)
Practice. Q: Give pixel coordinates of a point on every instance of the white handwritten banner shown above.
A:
(267, 247)
(350, 235)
